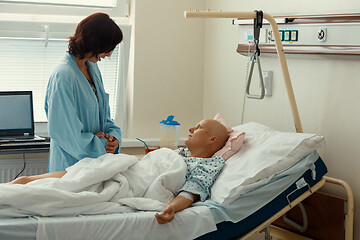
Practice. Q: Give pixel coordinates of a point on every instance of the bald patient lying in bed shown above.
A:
(205, 139)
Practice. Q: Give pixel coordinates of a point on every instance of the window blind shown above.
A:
(88, 3)
(26, 64)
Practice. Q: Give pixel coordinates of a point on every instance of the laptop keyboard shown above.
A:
(20, 139)
(15, 138)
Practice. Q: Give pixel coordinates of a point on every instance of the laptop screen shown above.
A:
(16, 113)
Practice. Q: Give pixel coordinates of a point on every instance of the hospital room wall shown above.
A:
(326, 88)
(168, 67)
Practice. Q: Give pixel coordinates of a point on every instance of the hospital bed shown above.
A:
(246, 215)
(26, 228)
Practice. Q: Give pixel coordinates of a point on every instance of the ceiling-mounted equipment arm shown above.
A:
(279, 49)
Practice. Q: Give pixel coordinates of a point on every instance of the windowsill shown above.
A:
(23, 17)
(41, 130)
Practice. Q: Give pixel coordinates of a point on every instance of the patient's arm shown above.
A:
(177, 204)
(27, 179)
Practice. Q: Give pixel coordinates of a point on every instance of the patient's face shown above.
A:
(199, 135)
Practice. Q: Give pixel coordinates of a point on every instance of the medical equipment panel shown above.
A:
(336, 34)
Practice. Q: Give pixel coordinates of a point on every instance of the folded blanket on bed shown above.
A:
(108, 184)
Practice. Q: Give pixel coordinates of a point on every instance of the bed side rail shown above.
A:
(263, 225)
(281, 233)
(349, 211)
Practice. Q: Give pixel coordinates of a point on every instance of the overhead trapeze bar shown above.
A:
(279, 49)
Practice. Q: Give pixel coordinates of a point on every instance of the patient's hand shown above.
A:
(166, 216)
(177, 204)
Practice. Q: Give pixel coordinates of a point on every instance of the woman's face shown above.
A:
(95, 59)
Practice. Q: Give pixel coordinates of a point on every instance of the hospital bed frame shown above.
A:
(271, 230)
(349, 215)
(304, 192)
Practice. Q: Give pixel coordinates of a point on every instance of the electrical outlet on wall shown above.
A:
(322, 34)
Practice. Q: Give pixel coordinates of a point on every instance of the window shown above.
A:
(89, 3)
(76, 9)
(27, 65)
(33, 38)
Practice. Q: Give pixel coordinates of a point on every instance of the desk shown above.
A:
(11, 168)
(22, 148)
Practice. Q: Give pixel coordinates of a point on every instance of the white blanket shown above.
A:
(187, 224)
(108, 184)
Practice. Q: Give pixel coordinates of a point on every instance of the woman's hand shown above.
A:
(100, 134)
(112, 143)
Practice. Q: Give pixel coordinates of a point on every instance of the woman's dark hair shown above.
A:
(95, 34)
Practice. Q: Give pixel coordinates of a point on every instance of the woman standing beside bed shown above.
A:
(76, 104)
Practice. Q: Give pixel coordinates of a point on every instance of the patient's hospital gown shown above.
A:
(75, 114)
(201, 173)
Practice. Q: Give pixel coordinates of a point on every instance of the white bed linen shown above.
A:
(250, 202)
(108, 184)
(137, 226)
(264, 153)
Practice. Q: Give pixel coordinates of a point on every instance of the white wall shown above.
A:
(326, 89)
(168, 67)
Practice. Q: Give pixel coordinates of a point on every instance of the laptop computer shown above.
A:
(17, 118)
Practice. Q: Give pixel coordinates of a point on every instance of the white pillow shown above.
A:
(234, 142)
(264, 153)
